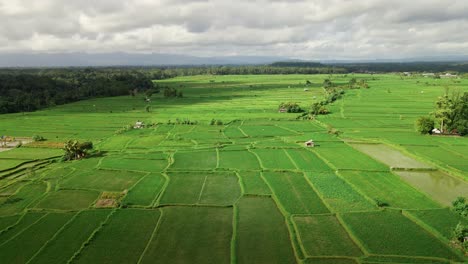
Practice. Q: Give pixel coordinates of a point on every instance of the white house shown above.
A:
(436, 131)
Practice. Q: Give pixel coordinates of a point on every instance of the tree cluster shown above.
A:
(75, 150)
(291, 107)
(451, 114)
(460, 232)
(172, 92)
(25, 91)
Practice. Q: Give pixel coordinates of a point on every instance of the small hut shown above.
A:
(138, 125)
(310, 144)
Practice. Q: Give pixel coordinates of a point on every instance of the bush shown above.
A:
(381, 203)
(75, 150)
(216, 122)
(460, 206)
(460, 232)
(424, 125)
(291, 107)
(37, 138)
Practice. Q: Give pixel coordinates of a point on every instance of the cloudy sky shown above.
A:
(314, 29)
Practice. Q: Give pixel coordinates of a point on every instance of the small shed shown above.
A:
(436, 131)
(139, 125)
(310, 143)
(283, 110)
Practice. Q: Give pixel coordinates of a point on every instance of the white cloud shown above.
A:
(303, 29)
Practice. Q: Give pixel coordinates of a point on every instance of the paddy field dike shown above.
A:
(244, 191)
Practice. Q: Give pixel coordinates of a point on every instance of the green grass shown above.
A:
(294, 193)
(201, 188)
(238, 160)
(220, 189)
(6, 164)
(215, 205)
(192, 235)
(307, 160)
(274, 159)
(332, 260)
(265, 131)
(390, 156)
(338, 194)
(146, 190)
(262, 236)
(398, 259)
(71, 237)
(7, 221)
(103, 180)
(133, 164)
(200, 160)
(31, 153)
(123, 239)
(443, 221)
(25, 197)
(148, 142)
(322, 235)
(23, 223)
(344, 157)
(68, 200)
(389, 188)
(115, 143)
(233, 132)
(41, 232)
(391, 233)
(254, 184)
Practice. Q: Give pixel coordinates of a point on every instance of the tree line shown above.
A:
(22, 91)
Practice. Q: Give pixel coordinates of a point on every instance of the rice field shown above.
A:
(247, 191)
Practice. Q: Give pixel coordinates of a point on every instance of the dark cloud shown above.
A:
(303, 29)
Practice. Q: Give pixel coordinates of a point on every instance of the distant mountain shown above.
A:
(125, 59)
(79, 59)
(451, 58)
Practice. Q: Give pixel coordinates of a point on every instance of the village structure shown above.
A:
(139, 125)
(309, 144)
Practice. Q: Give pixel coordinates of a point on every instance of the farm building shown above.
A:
(436, 131)
(282, 110)
(139, 124)
(448, 75)
(310, 143)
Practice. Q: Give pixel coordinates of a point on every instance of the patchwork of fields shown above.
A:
(247, 191)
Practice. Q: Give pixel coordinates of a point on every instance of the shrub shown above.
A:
(291, 107)
(381, 203)
(460, 206)
(216, 122)
(424, 125)
(37, 138)
(75, 150)
(460, 233)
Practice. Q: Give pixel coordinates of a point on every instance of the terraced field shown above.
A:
(247, 191)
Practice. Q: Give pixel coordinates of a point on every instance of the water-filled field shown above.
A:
(244, 191)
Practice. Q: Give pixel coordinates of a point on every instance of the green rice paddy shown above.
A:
(247, 191)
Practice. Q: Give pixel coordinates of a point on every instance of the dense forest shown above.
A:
(28, 91)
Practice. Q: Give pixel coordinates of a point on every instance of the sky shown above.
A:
(312, 30)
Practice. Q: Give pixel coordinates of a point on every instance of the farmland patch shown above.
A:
(262, 236)
(192, 235)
